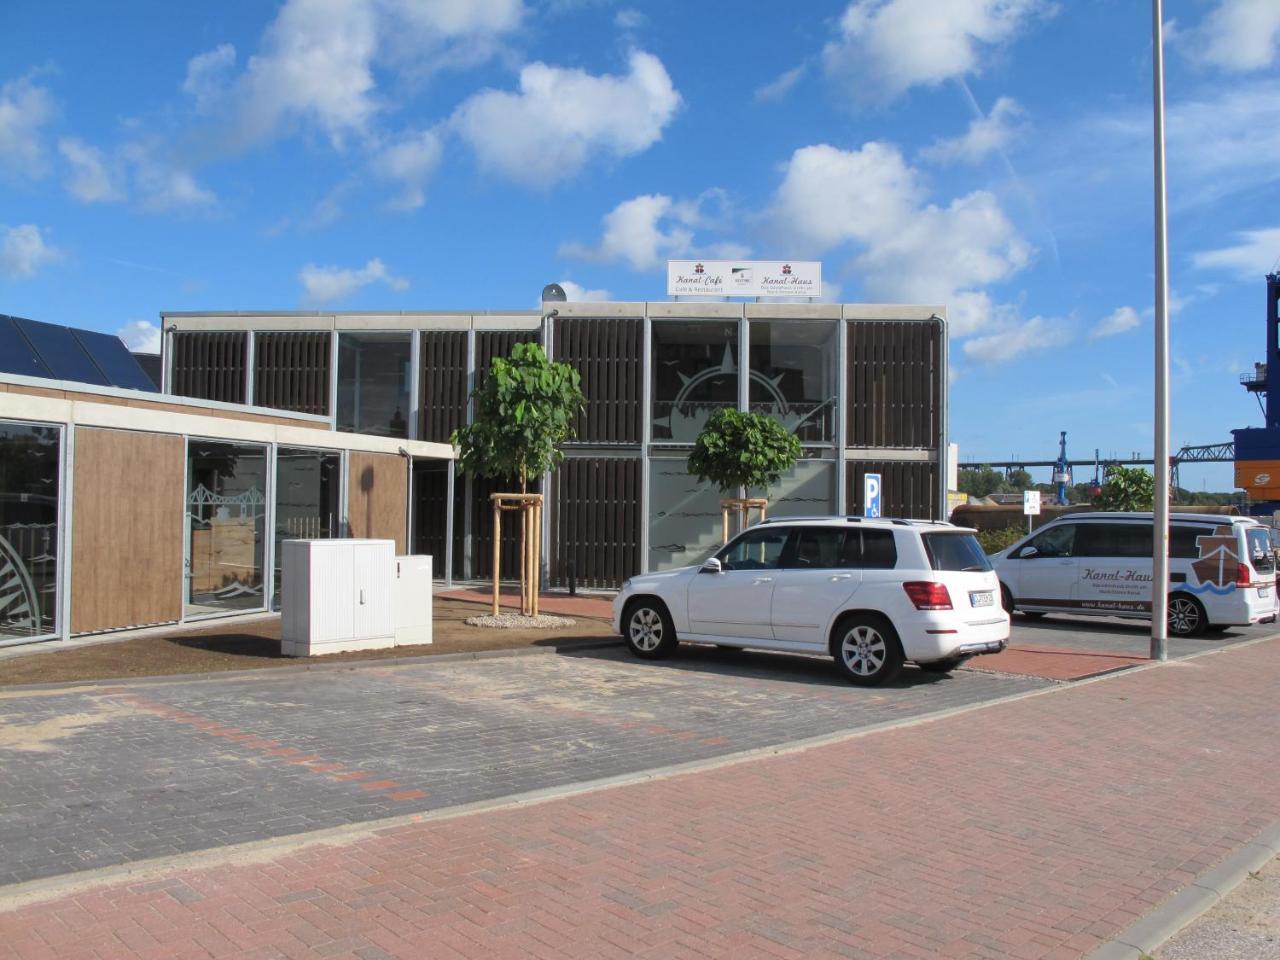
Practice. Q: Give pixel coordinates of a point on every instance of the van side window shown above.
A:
(1055, 542)
(869, 550)
(1114, 540)
(1182, 541)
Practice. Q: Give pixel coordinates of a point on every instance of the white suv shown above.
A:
(870, 593)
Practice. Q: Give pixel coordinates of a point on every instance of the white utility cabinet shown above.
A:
(413, 599)
(337, 595)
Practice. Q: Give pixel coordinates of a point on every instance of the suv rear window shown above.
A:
(955, 551)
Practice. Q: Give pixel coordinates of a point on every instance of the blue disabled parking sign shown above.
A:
(871, 495)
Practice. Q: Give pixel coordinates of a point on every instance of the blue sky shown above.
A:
(434, 154)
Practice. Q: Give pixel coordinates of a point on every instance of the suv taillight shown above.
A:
(927, 595)
(1243, 575)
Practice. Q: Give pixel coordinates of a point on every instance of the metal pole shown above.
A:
(1160, 532)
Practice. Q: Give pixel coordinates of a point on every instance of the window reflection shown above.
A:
(695, 374)
(307, 485)
(373, 383)
(793, 372)
(227, 518)
(29, 467)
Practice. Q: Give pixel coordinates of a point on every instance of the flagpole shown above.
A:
(1160, 531)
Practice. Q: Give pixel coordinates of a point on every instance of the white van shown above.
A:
(1221, 570)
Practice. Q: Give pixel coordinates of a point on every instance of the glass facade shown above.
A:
(685, 523)
(695, 373)
(30, 465)
(226, 522)
(373, 383)
(793, 376)
(807, 489)
(308, 485)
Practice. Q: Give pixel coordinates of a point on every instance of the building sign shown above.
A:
(871, 494)
(744, 278)
(1031, 502)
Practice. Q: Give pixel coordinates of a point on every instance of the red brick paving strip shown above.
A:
(1053, 663)
(1031, 829)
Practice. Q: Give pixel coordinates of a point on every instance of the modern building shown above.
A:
(863, 387)
(120, 507)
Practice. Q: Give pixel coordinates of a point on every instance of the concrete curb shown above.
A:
(1143, 938)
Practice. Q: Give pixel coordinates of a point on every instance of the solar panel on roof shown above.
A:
(61, 352)
(114, 360)
(16, 355)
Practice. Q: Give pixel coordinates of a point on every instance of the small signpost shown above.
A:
(1030, 505)
(871, 495)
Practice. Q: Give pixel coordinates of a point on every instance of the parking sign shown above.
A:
(871, 495)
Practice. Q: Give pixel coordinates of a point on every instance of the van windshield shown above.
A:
(955, 551)
(1260, 555)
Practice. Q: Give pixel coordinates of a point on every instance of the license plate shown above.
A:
(980, 598)
(1264, 591)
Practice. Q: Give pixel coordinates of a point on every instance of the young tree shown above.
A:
(738, 449)
(524, 412)
(1127, 489)
(980, 482)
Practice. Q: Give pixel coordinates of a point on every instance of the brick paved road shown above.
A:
(1029, 829)
(94, 777)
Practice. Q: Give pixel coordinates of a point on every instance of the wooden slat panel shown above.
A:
(607, 353)
(444, 384)
(908, 489)
(210, 365)
(291, 371)
(894, 383)
(595, 517)
(126, 529)
(376, 497)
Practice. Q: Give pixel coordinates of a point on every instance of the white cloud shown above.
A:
(1120, 320)
(23, 251)
(1237, 35)
(780, 86)
(410, 162)
(208, 74)
(25, 108)
(885, 47)
(160, 185)
(89, 180)
(1256, 254)
(580, 294)
(140, 336)
(562, 118)
(647, 230)
(985, 136)
(629, 18)
(907, 250)
(1017, 339)
(326, 284)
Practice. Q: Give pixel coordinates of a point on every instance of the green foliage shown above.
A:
(1017, 481)
(524, 411)
(993, 541)
(982, 482)
(738, 449)
(1127, 488)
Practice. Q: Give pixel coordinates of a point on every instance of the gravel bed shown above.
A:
(518, 621)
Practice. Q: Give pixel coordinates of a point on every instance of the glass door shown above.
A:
(226, 527)
(307, 488)
(30, 467)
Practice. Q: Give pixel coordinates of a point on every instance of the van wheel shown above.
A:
(1186, 616)
(649, 632)
(867, 650)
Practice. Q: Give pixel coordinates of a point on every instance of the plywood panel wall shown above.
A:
(376, 497)
(127, 521)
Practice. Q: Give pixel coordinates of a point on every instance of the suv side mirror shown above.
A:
(711, 566)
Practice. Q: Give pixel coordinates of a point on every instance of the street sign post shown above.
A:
(1030, 505)
(871, 495)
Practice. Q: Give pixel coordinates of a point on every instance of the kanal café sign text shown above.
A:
(744, 278)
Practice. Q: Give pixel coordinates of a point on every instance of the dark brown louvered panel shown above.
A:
(431, 515)
(907, 489)
(609, 356)
(596, 521)
(498, 343)
(444, 384)
(291, 371)
(482, 528)
(209, 366)
(894, 384)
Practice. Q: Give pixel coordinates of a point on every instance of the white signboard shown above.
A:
(1031, 502)
(744, 278)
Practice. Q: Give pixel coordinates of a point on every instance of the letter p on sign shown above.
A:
(871, 495)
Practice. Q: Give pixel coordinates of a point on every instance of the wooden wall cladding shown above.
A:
(127, 520)
(907, 489)
(291, 371)
(608, 353)
(596, 521)
(482, 526)
(210, 366)
(894, 388)
(498, 343)
(444, 379)
(376, 497)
